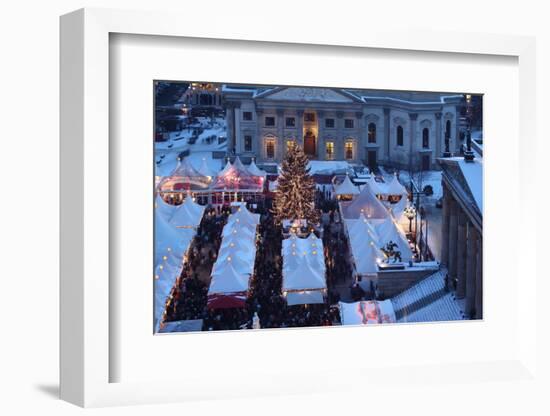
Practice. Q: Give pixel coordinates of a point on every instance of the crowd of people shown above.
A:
(265, 296)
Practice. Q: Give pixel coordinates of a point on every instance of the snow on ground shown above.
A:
(328, 166)
(166, 153)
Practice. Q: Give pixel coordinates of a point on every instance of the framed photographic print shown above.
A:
(255, 215)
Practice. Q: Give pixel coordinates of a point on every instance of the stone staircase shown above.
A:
(427, 301)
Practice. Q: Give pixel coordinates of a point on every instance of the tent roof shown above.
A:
(255, 170)
(395, 187)
(376, 188)
(188, 214)
(226, 279)
(365, 203)
(185, 175)
(347, 188)
(206, 170)
(387, 231)
(235, 176)
(304, 277)
(163, 208)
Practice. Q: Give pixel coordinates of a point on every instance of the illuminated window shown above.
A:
(372, 133)
(329, 149)
(270, 148)
(399, 134)
(247, 143)
(348, 150)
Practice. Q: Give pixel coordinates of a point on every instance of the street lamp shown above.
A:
(410, 213)
(468, 153)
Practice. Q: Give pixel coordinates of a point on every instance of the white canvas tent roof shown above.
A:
(226, 279)
(242, 261)
(365, 250)
(365, 203)
(206, 170)
(255, 170)
(346, 188)
(303, 277)
(394, 187)
(388, 231)
(165, 209)
(375, 187)
(188, 214)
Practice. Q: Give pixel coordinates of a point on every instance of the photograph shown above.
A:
(289, 206)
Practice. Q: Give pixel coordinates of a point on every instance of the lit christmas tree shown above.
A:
(295, 195)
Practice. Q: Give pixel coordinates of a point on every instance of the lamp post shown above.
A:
(410, 213)
(468, 153)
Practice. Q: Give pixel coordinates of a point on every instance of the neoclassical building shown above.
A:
(462, 230)
(401, 129)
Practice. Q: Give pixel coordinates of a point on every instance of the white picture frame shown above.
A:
(85, 164)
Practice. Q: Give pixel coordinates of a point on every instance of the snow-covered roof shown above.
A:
(473, 173)
(427, 301)
(388, 231)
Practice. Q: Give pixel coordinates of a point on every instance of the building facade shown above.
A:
(397, 129)
(462, 231)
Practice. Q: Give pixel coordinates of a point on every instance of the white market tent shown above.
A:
(346, 188)
(234, 266)
(171, 244)
(255, 170)
(304, 269)
(387, 231)
(395, 188)
(206, 170)
(188, 214)
(375, 187)
(366, 256)
(227, 279)
(365, 203)
(366, 312)
(163, 208)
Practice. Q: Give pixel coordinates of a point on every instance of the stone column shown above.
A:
(461, 256)
(230, 116)
(471, 271)
(281, 146)
(320, 135)
(445, 227)
(479, 279)
(412, 144)
(361, 137)
(453, 232)
(258, 146)
(237, 128)
(339, 142)
(438, 137)
(300, 127)
(387, 134)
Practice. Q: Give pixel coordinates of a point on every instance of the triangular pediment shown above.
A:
(309, 95)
